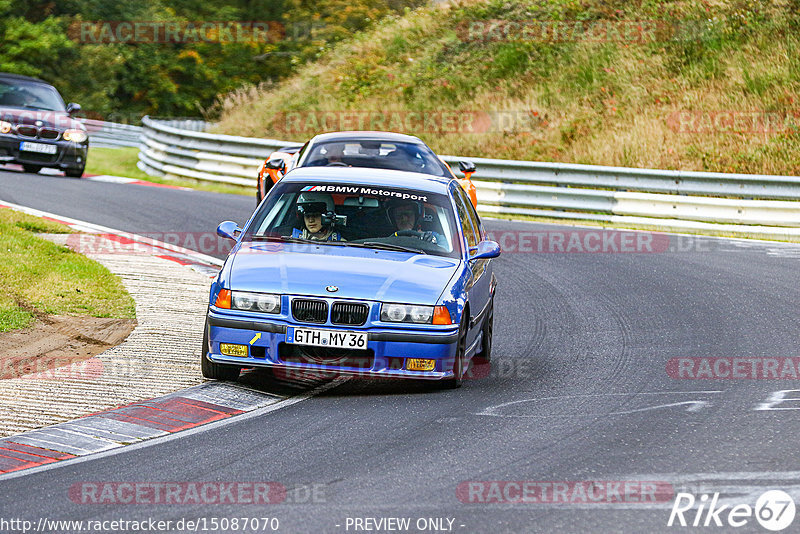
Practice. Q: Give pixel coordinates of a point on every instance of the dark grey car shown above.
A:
(37, 129)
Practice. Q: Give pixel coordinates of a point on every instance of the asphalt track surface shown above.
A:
(578, 391)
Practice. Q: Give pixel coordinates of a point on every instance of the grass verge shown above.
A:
(716, 89)
(122, 162)
(40, 277)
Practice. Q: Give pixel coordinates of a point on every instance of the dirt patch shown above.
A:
(58, 342)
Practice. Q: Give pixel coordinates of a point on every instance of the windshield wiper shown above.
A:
(290, 239)
(388, 246)
(364, 244)
(281, 239)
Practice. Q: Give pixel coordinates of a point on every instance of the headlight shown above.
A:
(257, 302)
(406, 313)
(5, 127)
(78, 136)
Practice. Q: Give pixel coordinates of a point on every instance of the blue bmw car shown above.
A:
(364, 272)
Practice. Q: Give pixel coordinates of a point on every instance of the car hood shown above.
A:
(59, 120)
(358, 273)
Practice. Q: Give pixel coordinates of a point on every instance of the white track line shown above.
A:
(182, 434)
(92, 228)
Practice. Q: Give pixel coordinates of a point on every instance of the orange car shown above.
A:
(381, 150)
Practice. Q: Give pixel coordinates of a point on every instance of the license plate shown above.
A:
(327, 338)
(41, 148)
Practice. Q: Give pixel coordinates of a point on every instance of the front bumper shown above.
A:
(69, 155)
(385, 355)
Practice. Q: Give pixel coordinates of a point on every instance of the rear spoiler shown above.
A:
(290, 149)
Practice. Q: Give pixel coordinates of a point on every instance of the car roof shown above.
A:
(21, 78)
(368, 176)
(365, 135)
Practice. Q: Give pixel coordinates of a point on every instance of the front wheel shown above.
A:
(460, 361)
(75, 173)
(31, 168)
(213, 370)
(485, 355)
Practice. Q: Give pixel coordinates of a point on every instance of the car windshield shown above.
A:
(413, 157)
(358, 215)
(27, 95)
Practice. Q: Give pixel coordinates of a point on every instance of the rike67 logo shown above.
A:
(774, 510)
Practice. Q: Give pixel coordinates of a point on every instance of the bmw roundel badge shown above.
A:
(331, 289)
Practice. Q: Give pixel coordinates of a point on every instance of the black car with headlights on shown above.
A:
(36, 128)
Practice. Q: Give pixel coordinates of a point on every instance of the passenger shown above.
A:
(317, 212)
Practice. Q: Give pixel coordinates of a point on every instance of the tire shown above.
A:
(75, 173)
(259, 196)
(460, 360)
(213, 370)
(485, 355)
(31, 168)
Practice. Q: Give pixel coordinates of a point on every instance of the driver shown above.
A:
(334, 152)
(316, 211)
(406, 216)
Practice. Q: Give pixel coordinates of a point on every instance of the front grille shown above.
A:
(310, 311)
(48, 133)
(357, 359)
(27, 131)
(349, 314)
(38, 158)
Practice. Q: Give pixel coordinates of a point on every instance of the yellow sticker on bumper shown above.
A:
(229, 349)
(418, 364)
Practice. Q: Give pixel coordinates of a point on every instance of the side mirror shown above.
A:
(485, 250)
(72, 107)
(466, 166)
(275, 164)
(229, 230)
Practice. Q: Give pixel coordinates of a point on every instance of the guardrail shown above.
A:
(112, 134)
(180, 148)
(740, 204)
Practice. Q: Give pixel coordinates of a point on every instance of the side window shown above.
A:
(300, 153)
(473, 215)
(464, 217)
